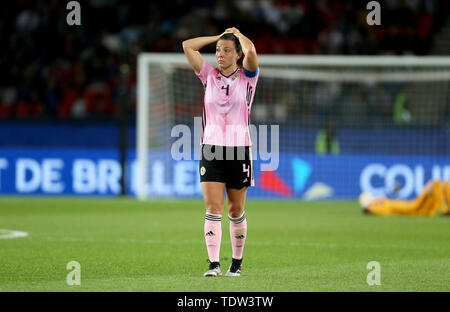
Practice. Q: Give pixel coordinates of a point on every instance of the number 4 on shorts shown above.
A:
(246, 169)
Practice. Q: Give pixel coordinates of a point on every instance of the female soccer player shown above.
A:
(435, 197)
(226, 162)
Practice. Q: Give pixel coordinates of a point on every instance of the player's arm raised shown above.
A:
(250, 57)
(191, 48)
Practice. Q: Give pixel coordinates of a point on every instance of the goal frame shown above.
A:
(143, 75)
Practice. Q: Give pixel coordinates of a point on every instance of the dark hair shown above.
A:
(233, 38)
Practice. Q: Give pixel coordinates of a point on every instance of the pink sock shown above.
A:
(238, 233)
(213, 236)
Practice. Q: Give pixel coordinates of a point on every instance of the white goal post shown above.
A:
(289, 67)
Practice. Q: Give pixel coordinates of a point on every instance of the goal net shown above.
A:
(323, 127)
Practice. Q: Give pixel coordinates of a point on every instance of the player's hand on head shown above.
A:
(231, 30)
(227, 31)
(234, 30)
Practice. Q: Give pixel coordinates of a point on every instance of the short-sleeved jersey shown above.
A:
(227, 105)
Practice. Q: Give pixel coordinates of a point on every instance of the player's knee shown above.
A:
(235, 210)
(214, 208)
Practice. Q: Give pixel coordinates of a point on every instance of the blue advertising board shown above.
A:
(298, 176)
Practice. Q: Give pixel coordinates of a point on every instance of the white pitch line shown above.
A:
(8, 234)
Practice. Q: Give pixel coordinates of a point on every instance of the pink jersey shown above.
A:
(227, 106)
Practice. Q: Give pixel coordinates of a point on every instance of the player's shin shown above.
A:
(238, 234)
(213, 235)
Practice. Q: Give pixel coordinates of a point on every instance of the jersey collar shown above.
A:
(237, 69)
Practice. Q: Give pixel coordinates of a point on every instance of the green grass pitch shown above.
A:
(158, 246)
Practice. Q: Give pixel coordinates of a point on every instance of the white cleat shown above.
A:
(237, 273)
(235, 269)
(213, 271)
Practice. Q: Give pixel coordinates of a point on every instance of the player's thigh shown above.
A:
(236, 201)
(210, 168)
(239, 171)
(213, 196)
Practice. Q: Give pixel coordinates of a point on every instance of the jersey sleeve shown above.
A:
(206, 70)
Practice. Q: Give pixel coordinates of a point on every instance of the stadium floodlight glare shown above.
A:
(169, 93)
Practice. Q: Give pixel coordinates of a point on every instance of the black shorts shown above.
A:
(230, 165)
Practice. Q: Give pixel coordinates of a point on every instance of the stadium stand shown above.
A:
(54, 71)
